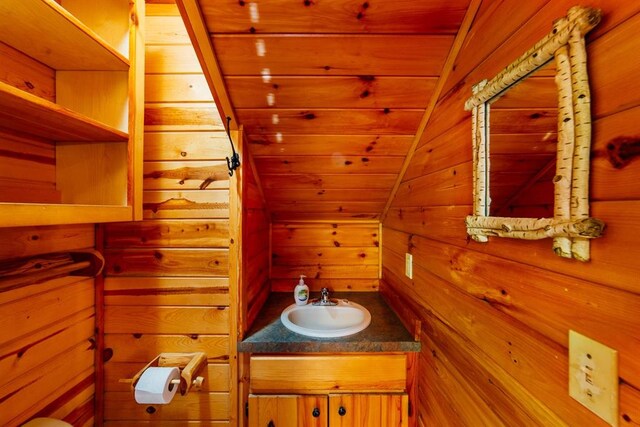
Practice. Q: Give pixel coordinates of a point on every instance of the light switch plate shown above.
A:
(593, 376)
(408, 265)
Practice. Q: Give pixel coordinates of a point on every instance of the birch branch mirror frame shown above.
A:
(571, 226)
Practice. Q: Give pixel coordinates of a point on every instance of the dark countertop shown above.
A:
(385, 333)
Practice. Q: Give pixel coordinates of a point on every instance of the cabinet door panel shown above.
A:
(287, 411)
(368, 410)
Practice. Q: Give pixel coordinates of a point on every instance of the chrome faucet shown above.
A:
(324, 298)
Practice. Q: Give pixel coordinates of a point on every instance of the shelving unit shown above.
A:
(28, 114)
(95, 53)
(47, 32)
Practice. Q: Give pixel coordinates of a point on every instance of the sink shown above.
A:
(345, 318)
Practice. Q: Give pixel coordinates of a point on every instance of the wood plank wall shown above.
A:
(343, 256)
(496, 316)
(27, 164)
(256, 241)
(47, 333)
(167, 284)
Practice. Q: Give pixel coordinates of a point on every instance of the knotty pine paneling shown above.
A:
(167, 280)
(423, 55)
(318, 145)
(335, 92)
(495, 316)
(333, 16)
(27, 163)
(161, 146)
(47, 333)
(339, 255)
(331, 121)
(256, 245)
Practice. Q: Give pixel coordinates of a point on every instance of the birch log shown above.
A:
(564, 158)
(480, 130)
(582, 150)
(534, 229)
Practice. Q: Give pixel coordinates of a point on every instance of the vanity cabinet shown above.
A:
(71, 111)
(334, 410)
(328, 390)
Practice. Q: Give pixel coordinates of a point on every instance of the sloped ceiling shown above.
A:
(330, 92)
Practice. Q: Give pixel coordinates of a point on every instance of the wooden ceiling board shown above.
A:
(330, 92)
(332, 55)
(329, 164)
(322, 195)
(335, 16)
(273, 182)
(318, 145)
(347, 207)
(324, 121)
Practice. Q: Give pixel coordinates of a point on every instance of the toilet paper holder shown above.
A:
(188, 363)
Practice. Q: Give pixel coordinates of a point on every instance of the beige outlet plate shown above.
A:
(408, 265)
(593, 376)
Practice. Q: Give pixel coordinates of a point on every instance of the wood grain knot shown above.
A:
(622, 150)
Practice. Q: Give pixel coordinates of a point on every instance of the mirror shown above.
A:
(523, 143)
(531, 131)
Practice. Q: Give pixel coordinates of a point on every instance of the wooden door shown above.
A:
(287, 411)
(368, 410)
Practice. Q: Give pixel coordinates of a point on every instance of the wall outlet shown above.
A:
(408, 265)
(593, 376)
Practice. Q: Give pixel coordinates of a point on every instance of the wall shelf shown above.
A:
(26, 214)
(75, 157)
(28, 114)
(46, 31)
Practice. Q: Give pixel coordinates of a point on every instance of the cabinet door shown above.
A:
(368, 410)
(287, 411)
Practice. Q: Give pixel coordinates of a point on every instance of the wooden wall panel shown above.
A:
(339, 17)
(256, 246)
(27, 164)
(47, 333)
(167, 286)
(335, 54)
(342, 256)
(496, 316)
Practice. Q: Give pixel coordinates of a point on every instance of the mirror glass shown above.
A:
(523, 146)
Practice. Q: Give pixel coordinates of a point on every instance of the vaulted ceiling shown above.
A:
(331, 93)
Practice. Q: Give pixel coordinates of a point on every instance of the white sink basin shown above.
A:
(340, 320)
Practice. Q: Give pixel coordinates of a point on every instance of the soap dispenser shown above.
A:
(301, 292)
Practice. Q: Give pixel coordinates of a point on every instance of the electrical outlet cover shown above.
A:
(408, 265)
(593, 376)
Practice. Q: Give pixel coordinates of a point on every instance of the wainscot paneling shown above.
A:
(47, 329)
(495, 317)
(167, 279)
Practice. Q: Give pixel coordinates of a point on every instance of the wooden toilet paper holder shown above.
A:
(188, 363)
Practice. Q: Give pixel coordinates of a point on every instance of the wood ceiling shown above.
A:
(331, 93)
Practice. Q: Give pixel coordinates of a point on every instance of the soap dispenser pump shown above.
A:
(301, 292)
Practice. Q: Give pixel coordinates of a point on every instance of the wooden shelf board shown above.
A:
(45, 31)
(26, 113)
(27, 214)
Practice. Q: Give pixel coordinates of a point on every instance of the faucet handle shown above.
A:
(324, 291)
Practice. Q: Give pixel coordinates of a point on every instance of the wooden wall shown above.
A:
(27, 164)
(167, 284)
(495, 316)
(343, 256)
(47, 333)
(256, 227)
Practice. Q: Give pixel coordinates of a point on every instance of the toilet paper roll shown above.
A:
(154, 385)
